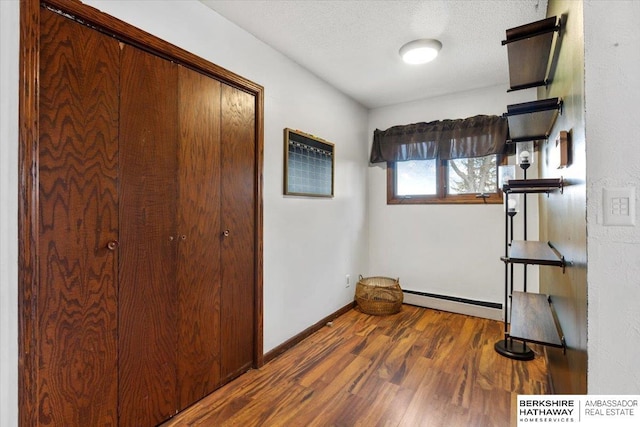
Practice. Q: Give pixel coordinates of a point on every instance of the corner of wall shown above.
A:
(562, 216)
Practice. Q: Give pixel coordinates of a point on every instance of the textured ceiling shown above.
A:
(353, 45)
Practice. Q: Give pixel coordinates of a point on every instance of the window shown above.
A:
(443, 181)
(443, 161)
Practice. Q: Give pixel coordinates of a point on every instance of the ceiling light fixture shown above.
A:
(420, 51)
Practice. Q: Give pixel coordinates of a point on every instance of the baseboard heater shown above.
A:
(487, 304)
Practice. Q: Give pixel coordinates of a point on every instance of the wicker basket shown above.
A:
(379, 295)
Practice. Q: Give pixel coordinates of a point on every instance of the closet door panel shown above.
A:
(199, 244)
(148, 236)
(78, 213)
(238, 184)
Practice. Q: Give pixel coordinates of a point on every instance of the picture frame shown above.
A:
(309, 164)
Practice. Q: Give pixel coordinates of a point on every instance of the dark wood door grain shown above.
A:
(148, 293)
(120, 316)
(78, 217)
(198, 277)
(238, 230)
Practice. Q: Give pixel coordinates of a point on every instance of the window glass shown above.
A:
(472, 176)
(416, 177)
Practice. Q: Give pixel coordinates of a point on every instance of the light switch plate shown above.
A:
(619, 206)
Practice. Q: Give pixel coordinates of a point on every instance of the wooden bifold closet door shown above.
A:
(75, 314)
(147, 308)
(238, 245)
(199, 237)
(147, 240)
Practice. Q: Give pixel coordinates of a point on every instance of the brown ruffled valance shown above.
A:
(442, 139)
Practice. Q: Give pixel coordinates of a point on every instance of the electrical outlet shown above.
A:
(348, 281)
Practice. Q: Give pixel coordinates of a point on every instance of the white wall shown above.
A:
(309, 244)
(612, 67)
(9, 36)
(451, 250)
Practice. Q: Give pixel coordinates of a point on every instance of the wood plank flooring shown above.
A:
(420, 367)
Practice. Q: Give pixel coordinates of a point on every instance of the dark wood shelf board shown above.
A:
(532, 319)
(534, 120)
(528, 137)
(514, 88)
(535, 253)
(533, 29)
(541, 105)
(529, 50)
(543, 185)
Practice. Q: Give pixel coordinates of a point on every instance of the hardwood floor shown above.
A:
(420, 367)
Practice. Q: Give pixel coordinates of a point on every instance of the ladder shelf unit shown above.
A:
(530, 317)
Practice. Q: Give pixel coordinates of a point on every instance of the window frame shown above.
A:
(441, 196)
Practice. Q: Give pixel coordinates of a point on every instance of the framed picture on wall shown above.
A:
(309, 162)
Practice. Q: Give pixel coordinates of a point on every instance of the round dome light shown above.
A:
(420, 51)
